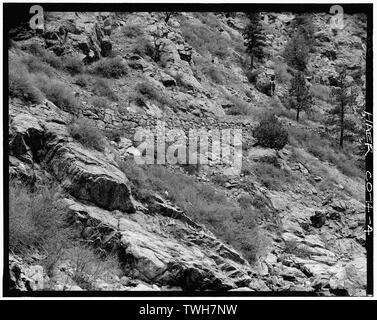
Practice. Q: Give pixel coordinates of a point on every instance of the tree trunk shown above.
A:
(298, 108)
(341, 124)
(251, 62)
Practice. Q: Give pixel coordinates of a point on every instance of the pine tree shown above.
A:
(300, 94)
(297, 52)
(344, 96)
(254, 37)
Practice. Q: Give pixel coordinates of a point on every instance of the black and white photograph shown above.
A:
(207, 150)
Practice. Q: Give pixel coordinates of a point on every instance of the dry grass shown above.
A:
(110, 67)
(321, 92)
(45, 55)
(214, 73)
(90, 266)
(103, 88)
(73, 65)
(85, 131)
(143, 47)
(37, 222)
(203, 203)
(146, 91)
(132, 30)
(21, 85)
(57, 92)
(239, 106)
(205, 39)
(281, 72)
(326, 150)
(100, 103)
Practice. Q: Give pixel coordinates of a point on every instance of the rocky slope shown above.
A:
(313, 224)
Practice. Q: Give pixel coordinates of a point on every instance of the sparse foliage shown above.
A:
(270, 133)
(344, 96)
(85, 131)
(301, 98)
(254, 37)
(110, 67)
(297, 52)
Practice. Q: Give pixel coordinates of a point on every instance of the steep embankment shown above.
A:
(291, 220)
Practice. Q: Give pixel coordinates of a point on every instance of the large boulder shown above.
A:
(86, 174)
(163, 250)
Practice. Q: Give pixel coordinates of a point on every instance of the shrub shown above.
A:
(325, 150)
(73, 65)
(37, 222)
(270, 133)
(132, 30)
(205, 40)
(214, 74)
(102, 88)
(82, 80)
(239, 107)
(85, 131)
(113, 134)
(281, 72)
(145, 90)
(100, 103)
(252, 75)
(220, 179)
(320, 92)
(110, 67)
(57, 92)
(89, 266)
(45, 55)
(35, 65)
(143, 47)
(21, 86)
(272, 177)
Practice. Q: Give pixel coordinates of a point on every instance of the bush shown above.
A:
(213, 73)
(21, 86)
(113, 134)
(37, 222)
(272, 177)
(100, 103)
(57, 92)
(239, 107)
(35, 65)
(45, 55)
(73, 65)
(110, 67)
(89, 266)
(202, 203)
(205, 40)
(281, 72)
(252, 75)
(320, 92)
(85, 131)
(145, 90)
(132, 30)
(325, 150)
(102, 88)
(270, 133)
(82, 80)
(143, 47)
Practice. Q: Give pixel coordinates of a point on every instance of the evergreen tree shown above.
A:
(254, 37)
(297, 52)
(299, 93)
(344, 96)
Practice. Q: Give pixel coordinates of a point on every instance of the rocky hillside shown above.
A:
(85, 216)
